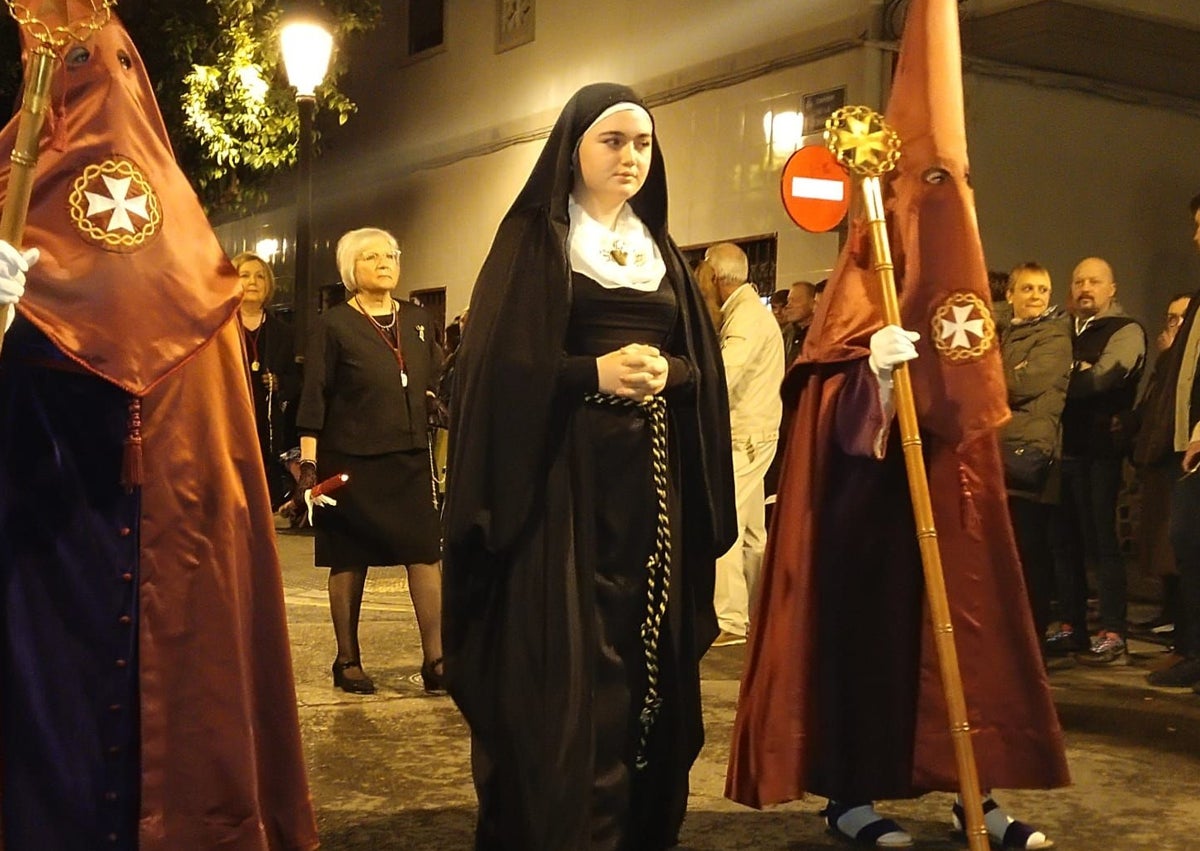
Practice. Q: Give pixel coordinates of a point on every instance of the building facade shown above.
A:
(1083, 122)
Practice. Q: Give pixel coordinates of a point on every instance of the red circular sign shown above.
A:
(815, 189)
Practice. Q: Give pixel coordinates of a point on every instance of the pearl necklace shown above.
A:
(378, 324)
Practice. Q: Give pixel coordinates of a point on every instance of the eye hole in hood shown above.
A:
(77, 56)
(935, 176)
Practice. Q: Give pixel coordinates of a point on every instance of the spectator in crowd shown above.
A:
(1185, 498)
(779, 300)
(1152, 432)
(706, 282)
(998, 285)
(274, 373)
(371, 369)
(590, 494)
(1035, 347)
(752, 351)
(801, 305)
(1109, 350)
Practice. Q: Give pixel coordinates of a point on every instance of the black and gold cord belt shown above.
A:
(658, 566)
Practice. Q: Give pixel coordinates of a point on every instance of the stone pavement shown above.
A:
(392, 770)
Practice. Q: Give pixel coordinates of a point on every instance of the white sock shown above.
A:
(996, 820)
(856, 818)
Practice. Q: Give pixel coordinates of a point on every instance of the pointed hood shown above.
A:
(941, 275)
(131, 281)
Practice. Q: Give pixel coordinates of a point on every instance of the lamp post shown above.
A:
(306, 46)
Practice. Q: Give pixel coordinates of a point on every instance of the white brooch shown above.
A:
(421, 332)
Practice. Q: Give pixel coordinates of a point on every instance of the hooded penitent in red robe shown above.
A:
(148, 699)
(841, 694)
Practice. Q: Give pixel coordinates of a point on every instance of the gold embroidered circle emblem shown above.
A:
(963, 328)
(113, 204)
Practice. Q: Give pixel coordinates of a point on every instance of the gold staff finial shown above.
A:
(862, 141)
(59, 36)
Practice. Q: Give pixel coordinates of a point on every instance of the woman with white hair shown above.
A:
(372, 363)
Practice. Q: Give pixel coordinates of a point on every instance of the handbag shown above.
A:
(1026, 467)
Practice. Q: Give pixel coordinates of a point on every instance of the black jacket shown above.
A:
(1037, 368)
(354, 400)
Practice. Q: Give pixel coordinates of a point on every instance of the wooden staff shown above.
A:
(872, 151)
(34, 104)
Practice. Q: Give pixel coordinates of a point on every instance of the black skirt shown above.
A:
(385, 515)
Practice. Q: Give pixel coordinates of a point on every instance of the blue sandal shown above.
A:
(1003, 830)
(861, 824)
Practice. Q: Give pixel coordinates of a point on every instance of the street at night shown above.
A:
(392, 770)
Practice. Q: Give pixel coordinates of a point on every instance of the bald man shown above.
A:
(752, 349)
(1109, 350)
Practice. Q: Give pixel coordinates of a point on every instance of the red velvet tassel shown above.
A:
(972, 520)
(131, 460)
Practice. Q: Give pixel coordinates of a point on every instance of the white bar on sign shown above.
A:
(821, 190)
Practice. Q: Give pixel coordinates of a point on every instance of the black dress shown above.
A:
(270, 349)
(612, 462)
(370, 421)
(606, 454)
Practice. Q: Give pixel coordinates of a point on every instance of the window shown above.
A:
(760, 251)
(426, 24)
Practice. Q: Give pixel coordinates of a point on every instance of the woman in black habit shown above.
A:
(590, 493)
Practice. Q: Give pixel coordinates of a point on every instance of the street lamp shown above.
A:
(306, 46)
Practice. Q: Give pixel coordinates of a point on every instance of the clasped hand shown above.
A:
(636, 371)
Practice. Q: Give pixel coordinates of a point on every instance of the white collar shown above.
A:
(624, 256)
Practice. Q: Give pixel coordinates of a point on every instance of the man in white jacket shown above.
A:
(752, 349)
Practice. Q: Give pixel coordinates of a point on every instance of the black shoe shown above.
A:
(354, 685)
(1154, 623)
(433, 678)
(1180, 675)
(1065, 642)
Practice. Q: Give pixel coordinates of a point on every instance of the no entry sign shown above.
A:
(815, 189)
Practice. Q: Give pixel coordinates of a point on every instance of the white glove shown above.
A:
(891, 345)
(321, 499)
(13, 266)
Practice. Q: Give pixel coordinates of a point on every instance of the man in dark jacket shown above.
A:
(1109, 349)
(1185, 499)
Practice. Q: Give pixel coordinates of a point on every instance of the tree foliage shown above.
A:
(220, 83)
